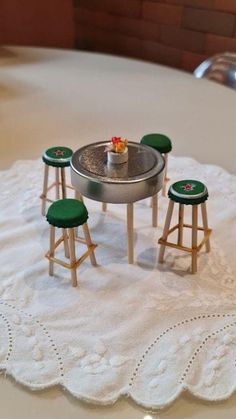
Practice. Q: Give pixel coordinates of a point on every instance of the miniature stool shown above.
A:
(162, 144)
(186, 192)
(58, 157)
(69, 214)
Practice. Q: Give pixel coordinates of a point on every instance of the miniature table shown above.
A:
(139, 178)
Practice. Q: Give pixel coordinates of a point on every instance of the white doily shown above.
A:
(141, 330)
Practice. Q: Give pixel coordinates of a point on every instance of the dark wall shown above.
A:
(48, 23)
(179, 33)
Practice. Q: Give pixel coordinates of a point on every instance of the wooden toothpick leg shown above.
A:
(130, 233)
(181, 223)
(51, 249)
(194, 238)
(205, 225)
(72, 257)
(155, 210)
(57, 181)
(165, 231)
(104, 206)
(66, 243)
(165, 175)
(45, 189)
(89, 242)
(63, 182)
(78, 196)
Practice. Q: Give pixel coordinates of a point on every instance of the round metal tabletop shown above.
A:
(141, 176)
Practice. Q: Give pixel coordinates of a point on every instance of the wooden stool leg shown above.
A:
(205, 225)
(194, 238)
(130, 233)
(104, 206)
(66, 243)
(63, 182)
(89, 242)
(181, 223)
(51, 249)
(165, 175)
(72, 257)
(166, 230)
(155, 210)
(78, 196)
(57, 181)
(45, 189)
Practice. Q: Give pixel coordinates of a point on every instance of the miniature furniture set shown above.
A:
(140, 174)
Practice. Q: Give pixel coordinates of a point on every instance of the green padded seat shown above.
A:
(158, 141)
(188, 192)
(57, 156)
(67, 213)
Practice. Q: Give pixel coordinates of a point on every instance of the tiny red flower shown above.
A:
(115, 140)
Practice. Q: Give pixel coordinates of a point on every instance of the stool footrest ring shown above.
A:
(207, 233)
(76, 263)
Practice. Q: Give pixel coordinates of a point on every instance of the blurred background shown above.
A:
(177, 33)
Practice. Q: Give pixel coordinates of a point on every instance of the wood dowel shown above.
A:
(104, 206)
(51, 249)
(45, 189)
(57, 182)
(78, 196)
(72, 257)
(175, 245)
(77, 262)
(89, 243)
(165, 175)
(66, 243)
(166, 229)
(63, 182)
(205, 225)
(194, 238)
(130, 233)
(155, 210)
(181, 224)
(76, 232)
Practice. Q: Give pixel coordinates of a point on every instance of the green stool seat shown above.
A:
(188, 192)
(158, 141)
(57, 156)
(67, 213)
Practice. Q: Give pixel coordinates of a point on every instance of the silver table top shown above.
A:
(137, 179)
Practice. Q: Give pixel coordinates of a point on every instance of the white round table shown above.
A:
(72, 98)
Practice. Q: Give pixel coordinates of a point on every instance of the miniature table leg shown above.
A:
(130, 233)
(154, 210)
(165, 175)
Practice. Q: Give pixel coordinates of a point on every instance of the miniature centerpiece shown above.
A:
(117, 151)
